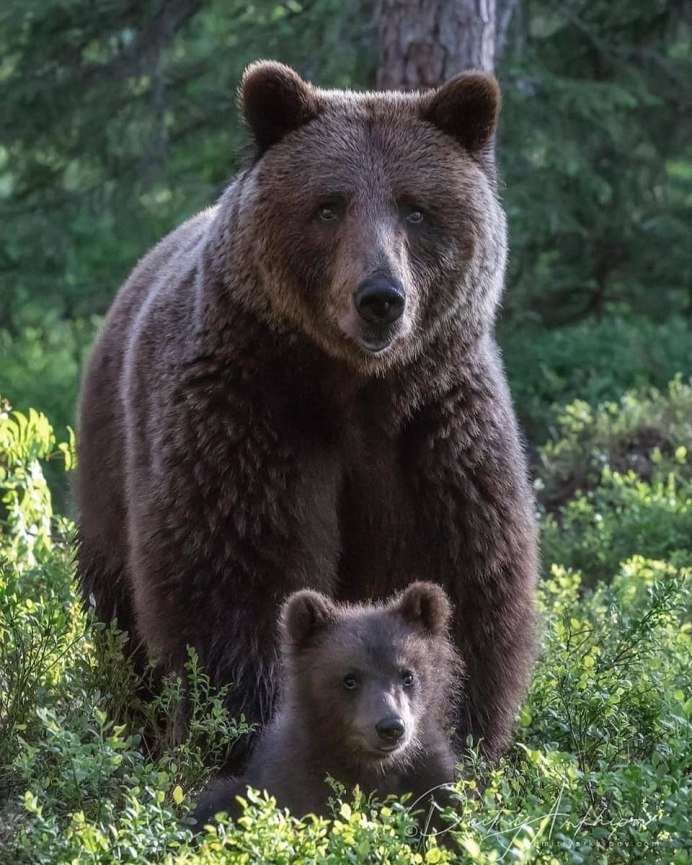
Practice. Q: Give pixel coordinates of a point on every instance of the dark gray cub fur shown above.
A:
(366, 697)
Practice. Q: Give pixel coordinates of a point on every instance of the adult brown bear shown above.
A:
(300, 388)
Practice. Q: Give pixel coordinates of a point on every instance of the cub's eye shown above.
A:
(415, 216)
(407, 679)
(350, 682)
(328, 213)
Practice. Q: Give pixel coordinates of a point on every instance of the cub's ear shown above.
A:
(305, 615)
(426, 606)
(467, 108)
(274, 101)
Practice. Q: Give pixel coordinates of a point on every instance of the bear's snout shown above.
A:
(390, 730)
(380, 300)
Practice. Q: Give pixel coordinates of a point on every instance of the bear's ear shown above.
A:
(426, 606)
(306, 614)
(467, 108)
(274, 101)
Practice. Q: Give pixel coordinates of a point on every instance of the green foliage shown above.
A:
(618, 480)
(600, 772)
(597, 159)
(72, 725)
(26, 509)
(645, 431)
(41, 365)
(594, 361)
(623, 515)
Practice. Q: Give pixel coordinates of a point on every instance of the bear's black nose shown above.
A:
(390, 729)
(380, 300)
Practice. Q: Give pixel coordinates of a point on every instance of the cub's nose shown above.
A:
(380, 300)
(390, 729)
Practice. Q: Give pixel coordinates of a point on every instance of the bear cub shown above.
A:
(366, 697)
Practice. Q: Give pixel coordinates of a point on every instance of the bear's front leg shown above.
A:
(473, 488)
(228, 520)
(220, 796)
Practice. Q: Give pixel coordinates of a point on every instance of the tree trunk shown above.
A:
(425, 42)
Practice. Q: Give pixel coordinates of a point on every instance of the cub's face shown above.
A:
(373, 216)
(365, 678)
(373, 690)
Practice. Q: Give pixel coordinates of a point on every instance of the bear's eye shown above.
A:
(328, 212)
(350, 682)
(415, 216)
(407, 679)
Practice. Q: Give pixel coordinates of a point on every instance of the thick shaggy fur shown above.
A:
(321, 726)
(239, 441)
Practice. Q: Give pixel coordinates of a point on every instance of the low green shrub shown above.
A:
(617, 480)
(42, 363)
(648, 432)
(594, 361)
(594, 532)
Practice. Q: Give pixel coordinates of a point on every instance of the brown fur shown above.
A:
(238, 442)
(321, 727)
